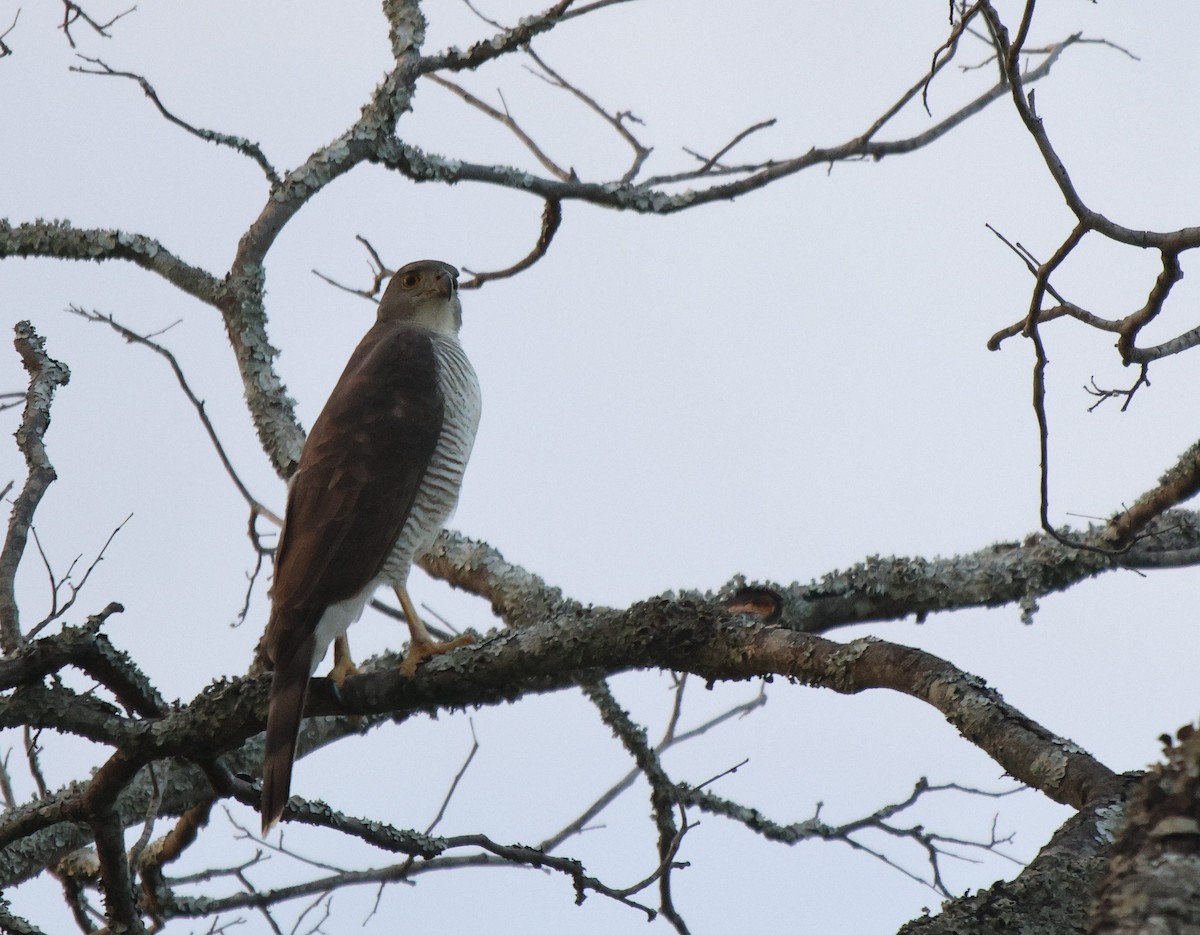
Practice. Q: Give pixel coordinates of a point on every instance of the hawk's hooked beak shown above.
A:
(444, 286)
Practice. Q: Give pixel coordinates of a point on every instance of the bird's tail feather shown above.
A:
(289, 688)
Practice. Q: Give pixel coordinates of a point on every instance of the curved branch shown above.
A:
(60, 240)
(46, 375)
(700, 637)
(681, 634)
(132, 337)
(241, 303)
(502, 43)
(1181, 482)
(239, 144)
(878, 589)
(1009, 55)
(551, 219)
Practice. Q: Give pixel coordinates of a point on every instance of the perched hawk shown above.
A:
(378, 477)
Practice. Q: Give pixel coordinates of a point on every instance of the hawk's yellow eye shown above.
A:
(410, 280)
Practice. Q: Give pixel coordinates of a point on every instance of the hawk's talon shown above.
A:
(343, 665)
(420, 650)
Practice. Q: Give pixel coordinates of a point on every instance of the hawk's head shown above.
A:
(425, 292)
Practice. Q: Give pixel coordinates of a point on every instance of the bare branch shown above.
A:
(1176, 345)
(4, 48)
(56, 611)
(73, 12)
(462, 771)
(618, 121)
(46, 375)
(932, 844)
(132, 337)
(670, 739)
(643, 197)
(506, 119)
(714, 160)
(551, 219)
(239, 144)
(33, 758)
(503, 42)
(379, 273)
(260, 554)
(120, 904)
(1105, 394)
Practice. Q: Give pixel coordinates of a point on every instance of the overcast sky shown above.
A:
(780, 387)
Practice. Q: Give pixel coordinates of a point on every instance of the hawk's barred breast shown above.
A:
(438, 493)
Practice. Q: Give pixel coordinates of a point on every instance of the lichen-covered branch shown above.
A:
(1054, 893)
(58, 239)
(879, 588)
(682, 634)
(239, 144)
(503, 42)
(662, 799)
(1154, 873)
(46, 375)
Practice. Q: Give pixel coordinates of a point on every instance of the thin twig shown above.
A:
(462, 771)
(551, 219)
(714, 161)
(1103, 394)
(379, 272)
(670, 739)
(4, 49)
(73, 12)
(618, 120)
(55, 610)
(33, 759)
(239, 144)
(198, 404)
(506, 119)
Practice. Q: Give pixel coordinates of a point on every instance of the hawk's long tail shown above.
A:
(289, 688)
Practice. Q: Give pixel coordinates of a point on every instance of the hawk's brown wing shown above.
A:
(358, 477)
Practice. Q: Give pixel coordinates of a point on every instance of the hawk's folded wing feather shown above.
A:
(358, 477)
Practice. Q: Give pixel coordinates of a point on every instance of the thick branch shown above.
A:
(681, 634)
(880, 588)
(89, 650)
(700, 637)
(242, 305)
(46, 375)
(1154, 875)
(1052, 894)
(58, 239)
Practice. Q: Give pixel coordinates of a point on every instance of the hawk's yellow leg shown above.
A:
(343, 665)
(422, 645)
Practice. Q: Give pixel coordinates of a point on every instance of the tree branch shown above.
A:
(239, 144)
(46, 375)
(60, 240)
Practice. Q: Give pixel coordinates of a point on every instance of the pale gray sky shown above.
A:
(779, 387)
